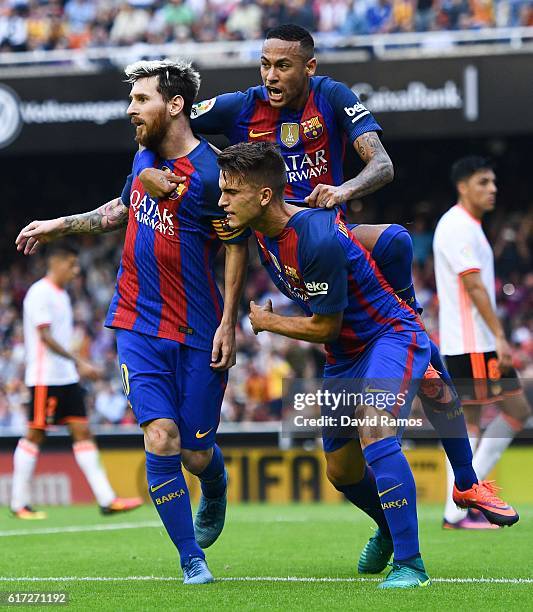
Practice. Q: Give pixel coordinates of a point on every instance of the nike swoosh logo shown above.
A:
(154, 489)
(389, 490)
(254, 134)
(202, 435)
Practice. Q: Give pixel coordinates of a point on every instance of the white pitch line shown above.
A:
(111, 527)
(80, 528)
(481, 580)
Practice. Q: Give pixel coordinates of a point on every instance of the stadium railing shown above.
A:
(351, 48)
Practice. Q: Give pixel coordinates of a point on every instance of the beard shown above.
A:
(153, 135)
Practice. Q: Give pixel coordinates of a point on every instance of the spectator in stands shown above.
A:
(244, 22)
(298, 12)
(129, 25)
(481, 14)
(379, 17)
(332, 15)
(403, 16)
(80, 14)
(14, 29)
(425, 15)
(356, 19)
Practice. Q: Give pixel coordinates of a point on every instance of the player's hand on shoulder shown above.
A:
(160, 183)
(326, 196)
(87, 370)
(224, 353)
(37, 233)
(258, 315)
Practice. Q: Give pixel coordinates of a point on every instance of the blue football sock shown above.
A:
(397, 493)
(213, 479)
(364, 495)
(170, 495)
(449, 423)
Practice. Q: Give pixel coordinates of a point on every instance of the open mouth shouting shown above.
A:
(274, 94)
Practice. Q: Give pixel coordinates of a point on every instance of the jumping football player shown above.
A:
(350, 306)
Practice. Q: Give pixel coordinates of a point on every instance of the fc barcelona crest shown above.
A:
(312, 128)
(290, 271)
(290, 134)
(178, 192)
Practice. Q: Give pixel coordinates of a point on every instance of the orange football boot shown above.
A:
(122, 504)
(482, 496)
(29, 514)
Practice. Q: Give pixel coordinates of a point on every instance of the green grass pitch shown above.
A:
(260, 543)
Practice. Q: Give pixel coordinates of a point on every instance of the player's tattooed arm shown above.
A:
(107, 218)
(378, 171)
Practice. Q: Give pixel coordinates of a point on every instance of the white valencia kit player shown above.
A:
(56, 397)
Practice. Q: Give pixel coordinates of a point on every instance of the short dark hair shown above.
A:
(175, 79)
(465, 167)
(291, 32)
(61, 249)
(259, 161)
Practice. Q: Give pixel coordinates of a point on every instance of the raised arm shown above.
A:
(107, 218)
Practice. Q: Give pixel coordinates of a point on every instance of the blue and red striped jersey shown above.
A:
(166, 281)
(312, 140)
(319, 264)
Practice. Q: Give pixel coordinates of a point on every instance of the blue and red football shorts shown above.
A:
(164, 379)
(388, 373)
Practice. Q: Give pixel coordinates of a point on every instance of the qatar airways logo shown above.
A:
(148, 213)
(305, 166)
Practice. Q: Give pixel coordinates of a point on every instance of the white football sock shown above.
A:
(452, 513)
(24, 462)
(496, 438)
(88, 458)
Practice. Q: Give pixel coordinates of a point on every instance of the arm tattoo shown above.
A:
(378, 170)
(107, 218)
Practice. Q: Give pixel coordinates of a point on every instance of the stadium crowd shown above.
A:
(27, 25)
(255, 389)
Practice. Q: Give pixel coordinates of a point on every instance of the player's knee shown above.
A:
(196, 461)
(80, 433)
(340, 472)
(402, 244)
(339, 476)
(36, 436)
(517, 407)
(162, 437)
(472, 416)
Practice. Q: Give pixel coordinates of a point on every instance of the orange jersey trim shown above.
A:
(469, 271)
